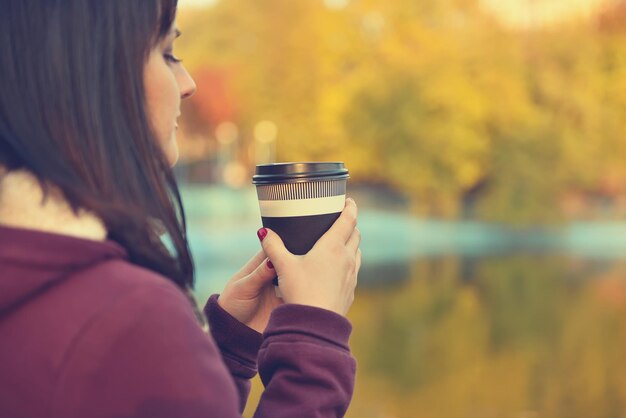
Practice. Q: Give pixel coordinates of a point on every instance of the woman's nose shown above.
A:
(187, 85)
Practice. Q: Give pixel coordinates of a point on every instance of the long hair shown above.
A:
(73, 112)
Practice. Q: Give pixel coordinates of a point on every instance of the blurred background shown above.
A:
(486, 142)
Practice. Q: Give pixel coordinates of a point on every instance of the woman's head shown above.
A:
(88, 94)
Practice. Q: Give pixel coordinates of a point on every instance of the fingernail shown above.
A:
(262, 233)
(269, 264)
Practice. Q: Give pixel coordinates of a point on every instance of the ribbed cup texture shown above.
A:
(303, 190)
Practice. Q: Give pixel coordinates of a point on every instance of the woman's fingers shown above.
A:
(358, 265)
(344, 226)
(273, 246)
(354, 241)
(262, 274)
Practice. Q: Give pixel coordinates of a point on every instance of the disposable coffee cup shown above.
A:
(301, 200)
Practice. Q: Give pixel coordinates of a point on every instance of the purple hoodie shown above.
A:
(86, 334)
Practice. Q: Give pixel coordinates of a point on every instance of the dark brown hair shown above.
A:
(72, 111)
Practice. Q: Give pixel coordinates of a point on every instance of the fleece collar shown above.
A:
(22, 206)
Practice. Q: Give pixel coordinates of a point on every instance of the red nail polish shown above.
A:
(270, 265)
(262, 233)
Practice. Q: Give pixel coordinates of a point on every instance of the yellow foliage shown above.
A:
(434, 98)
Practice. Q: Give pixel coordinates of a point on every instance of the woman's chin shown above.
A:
(171, 152)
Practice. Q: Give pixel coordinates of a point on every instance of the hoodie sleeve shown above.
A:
(304, 360)
(238, 344)
(305, 364)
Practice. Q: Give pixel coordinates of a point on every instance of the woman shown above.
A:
(94, 315)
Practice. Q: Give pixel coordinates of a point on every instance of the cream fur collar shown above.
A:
(20, 207)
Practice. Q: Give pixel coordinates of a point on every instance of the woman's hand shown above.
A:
(249, 295)
(326, 276)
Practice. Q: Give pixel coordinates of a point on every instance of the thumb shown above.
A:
(272, 245)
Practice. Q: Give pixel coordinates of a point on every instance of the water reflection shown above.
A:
(505, 336)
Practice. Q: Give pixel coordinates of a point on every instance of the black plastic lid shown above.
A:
(298, 172)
